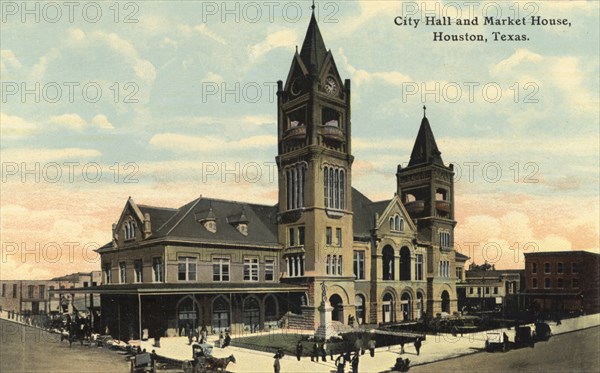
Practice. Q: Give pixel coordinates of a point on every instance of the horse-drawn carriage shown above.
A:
(202, 360)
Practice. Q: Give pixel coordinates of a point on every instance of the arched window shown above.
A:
(388, 263)
(401, 225)
(295, 179)
(392, 224)
(326, 182)
(334, 180)
(220, 315)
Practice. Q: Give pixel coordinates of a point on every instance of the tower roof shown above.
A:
(313, 50)
(425, 149)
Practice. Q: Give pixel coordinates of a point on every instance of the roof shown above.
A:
(460, 256)
(425, 149)
(494, 273)
(363, 219)
(313, 50)
(184, 223)
(570, 252)
(186, 288)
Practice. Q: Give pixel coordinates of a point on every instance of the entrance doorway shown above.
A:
(337, 314)
(387, 308)
(445, 302)
(187, 315)
(406, 307)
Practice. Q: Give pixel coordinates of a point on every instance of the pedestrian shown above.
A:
(203, 334)
(355, 363)
(190, 335)
(401, 345)
(418, 346)
(227, 340)
(315, 352)
(299, 349)
(221, 340)
(372, 347)
(340, 364)
(324, 351)
(276, 364)
(358, 345)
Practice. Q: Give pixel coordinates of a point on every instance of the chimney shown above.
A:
(147, 225)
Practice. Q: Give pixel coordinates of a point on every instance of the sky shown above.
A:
(168, 101)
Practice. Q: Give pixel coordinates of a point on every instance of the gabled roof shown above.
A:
(425, 149)
(364, 213)
(261, 220)
(461, 257)
(313, 50)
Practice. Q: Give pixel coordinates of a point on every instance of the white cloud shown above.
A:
(203, 29)
(168, 42)
(38, 71)
(72, 121)
(102, 122)
(362, 76)
(186, 143)
(14, 126)
(143, 69)
(46, 155)
(282, 38)
(76, 34)
(213, 77)
(8, 60)
(521, 56)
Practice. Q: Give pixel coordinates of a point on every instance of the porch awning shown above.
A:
(185, 288)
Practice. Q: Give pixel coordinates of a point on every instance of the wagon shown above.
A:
(142, 363)
(495, 341)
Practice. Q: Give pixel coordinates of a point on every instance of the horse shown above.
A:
(219, 364)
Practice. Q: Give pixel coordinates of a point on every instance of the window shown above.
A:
(295, 177)
(122, 272)
(50, 292)
(250, 269)
(471, 290)
(574, 268)
(534, 283)
(495, 290)
(559, 268)
(295, 265)
(547, 268)
(85, 284)
(221, 269)
(338, 235)
(107, 273)
(328, 237)
(533, 267)
(292, 237)
(419, 267)
(30, 291)
(444, 270)
(487, 290)
(333, 187)
(445, 240)
(186, 268)
(328, 265)
(359, 265)
(269, 270)
(560, 283)
(459, 273)
(333, 264)
(478, 291)
(4, 290)
(339, 265)
(575, 283)
(14, 290)
(157, 269)
(547, 283)
(300, 236)
(129, 229)
(138, 270)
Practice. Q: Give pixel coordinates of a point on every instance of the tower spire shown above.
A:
(313, 7)
(424, 111)
(425, 149)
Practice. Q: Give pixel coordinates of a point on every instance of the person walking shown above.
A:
(340, 363)
(221, 340)
(401, 345)
(276, 363)
(227, 340)
(372, 347)
(355, 363)
(315, 353)
(418, 346)
(299, 350)
(324, 351)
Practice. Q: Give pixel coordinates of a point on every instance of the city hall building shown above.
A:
(244, 266)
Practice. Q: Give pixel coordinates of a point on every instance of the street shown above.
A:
(570, 352)
(25, 349)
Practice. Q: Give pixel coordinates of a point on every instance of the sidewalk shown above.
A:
(435, 348)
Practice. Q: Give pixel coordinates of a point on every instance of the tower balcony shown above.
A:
(415, 207)
(442, 206)
(332, 133)
(295, 133)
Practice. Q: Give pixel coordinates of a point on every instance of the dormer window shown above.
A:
(210, 226)
(208, 220)
(243, 228)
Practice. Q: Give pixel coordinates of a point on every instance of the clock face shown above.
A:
(330, 86)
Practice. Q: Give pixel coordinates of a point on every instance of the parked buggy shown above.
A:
(142, 363)
(542, 331)
(199, 363)
(523, 337)
(496, 341)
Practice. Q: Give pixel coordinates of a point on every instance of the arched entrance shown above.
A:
(251, 313)
(337, 314)
(271, 308)
(387, 308)
(419, 305)
(388, 263)
(406, 306)
(405, 264)
(445, 302)
(220, 314)
(188, 315)
(359, 303)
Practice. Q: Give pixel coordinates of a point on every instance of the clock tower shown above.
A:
(315, 171)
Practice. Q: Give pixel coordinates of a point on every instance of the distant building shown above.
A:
(36, 297)
(487, 290)
(563, 281)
